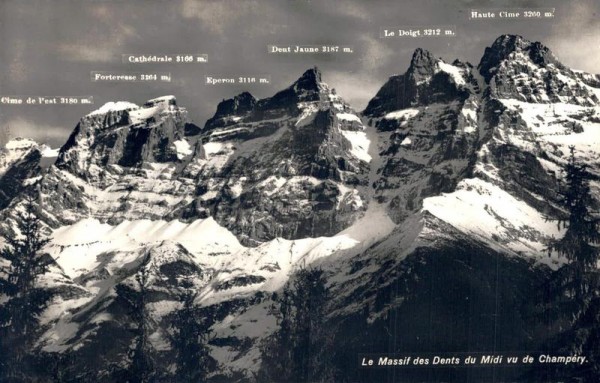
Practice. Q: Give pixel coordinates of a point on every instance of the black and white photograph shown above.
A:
(299, 191)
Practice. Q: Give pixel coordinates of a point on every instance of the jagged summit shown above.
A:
(231, 110)
(244, 107)
(507, 45)
(510, 41)
(517, 68)
(301, 150)
(19, 145)
(423, 63)
(243, 102)
(307, 88)
(125, 134)
(310, 80)
(427, 80)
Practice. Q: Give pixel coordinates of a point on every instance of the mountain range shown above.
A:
(430, 211)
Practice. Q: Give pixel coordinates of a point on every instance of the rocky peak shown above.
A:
(308, 88)
(20, 143)
(231, 110)
(423, 63)
(242, 103)
(427, 80)
(509, 43)
(245, 108)
(293, 166)
(18, 147)
(309, 81)
(124, 134)
(528, 71)
(506, 45)
(110, 114)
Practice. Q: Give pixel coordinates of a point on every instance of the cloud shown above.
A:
(18, 67)
(376, 53)
(581, 53)
(359, 11)
(218, 16)
(574, 36)
(101, 44)
(88, 53)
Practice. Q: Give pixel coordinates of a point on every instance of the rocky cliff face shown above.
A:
(410, 207)
(481, 236)
(293, 165)
(232, 110)
(120, 163)
(126, 135)
(428, 128)
(489, 137)
(528, 71)
(427, 81)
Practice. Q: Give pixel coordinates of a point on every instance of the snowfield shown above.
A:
(486, 211)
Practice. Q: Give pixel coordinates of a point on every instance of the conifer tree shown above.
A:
(576, 286)
(19, 314)
(582, 237)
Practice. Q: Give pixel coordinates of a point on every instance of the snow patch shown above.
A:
(183, 148)
(161, 99)
(20, 144)
(485, 210)
(404, 113)
(454, 72)
(140, 116)
(76, 247)
(211, 148)
(48, 152)
(309, 111)
(348, 117)
(32, 181)
(114, 107)
(360, 144)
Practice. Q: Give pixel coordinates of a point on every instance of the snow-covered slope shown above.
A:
(537, 109)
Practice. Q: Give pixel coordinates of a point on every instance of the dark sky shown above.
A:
(49, 47)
